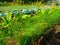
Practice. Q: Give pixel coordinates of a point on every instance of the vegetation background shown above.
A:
(26, 30)
(25, 2)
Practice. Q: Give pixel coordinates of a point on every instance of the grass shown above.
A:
(17, 7)
(25, 31)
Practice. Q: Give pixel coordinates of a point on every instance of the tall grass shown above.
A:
(25, 31)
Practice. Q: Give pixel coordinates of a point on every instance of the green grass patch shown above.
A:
(27, 30)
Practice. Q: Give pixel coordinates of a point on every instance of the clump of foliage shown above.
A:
(27, 30)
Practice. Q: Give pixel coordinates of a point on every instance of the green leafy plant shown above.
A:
(27, 30)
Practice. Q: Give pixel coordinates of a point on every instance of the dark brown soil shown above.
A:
(53, 38)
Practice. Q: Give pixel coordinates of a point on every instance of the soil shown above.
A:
(52, 38)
